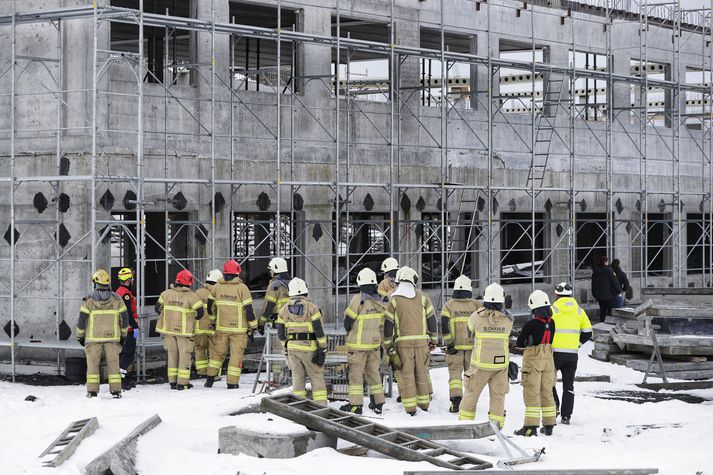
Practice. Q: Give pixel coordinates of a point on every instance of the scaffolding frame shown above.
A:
(462, 208)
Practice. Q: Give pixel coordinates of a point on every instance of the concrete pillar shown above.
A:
(621, 64)
(319, 260)
(314, 62)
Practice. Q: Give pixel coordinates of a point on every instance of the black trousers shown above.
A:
(567, 364)
(128, 351)
(605, 307)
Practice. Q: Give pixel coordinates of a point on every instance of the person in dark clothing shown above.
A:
(622, 278)
(605, 287)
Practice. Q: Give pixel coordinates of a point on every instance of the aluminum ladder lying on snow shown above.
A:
(67, 442)
(366, 433)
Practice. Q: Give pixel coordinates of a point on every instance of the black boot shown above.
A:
(527, 431)
(181, 387)
(455, 404)
(127, 384)
(547, 430)
(173, 385)
(398, 399)
(372, 402)
(565, 420)
(91, 394)
(116, 394)
(350, 408)
(233, 386)
(209, 382)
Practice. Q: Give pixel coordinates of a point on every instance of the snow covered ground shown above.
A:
(600, 435)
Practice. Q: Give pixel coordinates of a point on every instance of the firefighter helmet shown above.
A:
(297, 287)
(564, 289)
(125, 274)
(214, 276)
(101, 277)
(406, 274)
(277, 265)
(389, 264)
(184, 278)
(538, 299)
(463, 283)
(494, 293)
(232, 267)
(366, 276)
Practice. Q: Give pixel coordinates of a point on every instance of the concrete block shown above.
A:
(276, 438)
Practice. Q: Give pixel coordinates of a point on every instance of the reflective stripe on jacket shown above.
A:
(368, 315)
(411, 319)
(178, 311)
(302, 318)
(206, 325)
(229, 301)
(570, 320)
(103, 320)
(492, 331)
(454, 322)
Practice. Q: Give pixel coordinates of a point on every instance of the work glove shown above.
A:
(273, 317)
(319, 357)
(431, 346)
(513, 369)
(251, 335)
(451, 349)
(394, 360)
(81, 340)
(136, 333)
(261, 329)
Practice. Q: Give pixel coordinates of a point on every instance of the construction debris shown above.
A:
(67, 442)
(450, 432)
(366, 433)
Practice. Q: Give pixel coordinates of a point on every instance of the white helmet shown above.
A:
(538, 299)
(494, 293)
(463, 283)
(563, 288)
(277, 265)
(389, 264)
(366, 276)
(297, 287)
(406, 274)
(214, 276)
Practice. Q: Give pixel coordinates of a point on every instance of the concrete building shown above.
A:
(457, 135)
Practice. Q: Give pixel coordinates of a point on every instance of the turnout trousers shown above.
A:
(413, 378)
(538, 380)
(236, 343)
(365, 365)
(301, 366)
(475, 380)
(201, 346)
(457, 365)
(93, 352)
(179, 350)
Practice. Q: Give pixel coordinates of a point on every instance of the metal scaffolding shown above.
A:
(559, 155)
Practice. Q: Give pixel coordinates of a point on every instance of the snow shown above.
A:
(600, 435)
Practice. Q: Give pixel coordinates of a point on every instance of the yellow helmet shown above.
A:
(125, 274)
(101, 277)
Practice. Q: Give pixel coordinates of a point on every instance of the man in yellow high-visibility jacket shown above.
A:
(573, 330)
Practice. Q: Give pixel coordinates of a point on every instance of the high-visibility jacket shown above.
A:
(386, 287)
(454, 322)
(276, 296)
(206, 325)
(414, 321)
(230, 299)
(571, 321)
(178, 311)
(102, 321)
(300, 324)
(491, 330)
(367, 314)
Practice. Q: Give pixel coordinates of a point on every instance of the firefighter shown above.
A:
(411, 323)
(205, 327)
(299, 328)
(179, 308)
(128, 349)
(231, 303)
(388, 283)
(538, 367)
(490, 357)
(364, 322)
(454, 325)
(573, 330)
(102, 327)
(276, 295)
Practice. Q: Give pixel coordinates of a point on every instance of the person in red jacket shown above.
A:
(128, 350)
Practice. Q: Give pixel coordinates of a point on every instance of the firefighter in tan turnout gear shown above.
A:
(299, 327)
(454, 327)
(179, 307)
(205, 327)
(538, 367)
(411, 322)
(364, 322)
(276, 295)
(388, 284)
(102, 326)
(231, 303)
(490, 357)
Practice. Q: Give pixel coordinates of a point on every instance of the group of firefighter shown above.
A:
(390, 321)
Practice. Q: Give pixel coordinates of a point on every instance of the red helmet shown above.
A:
(232, 267)
(184, 278)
